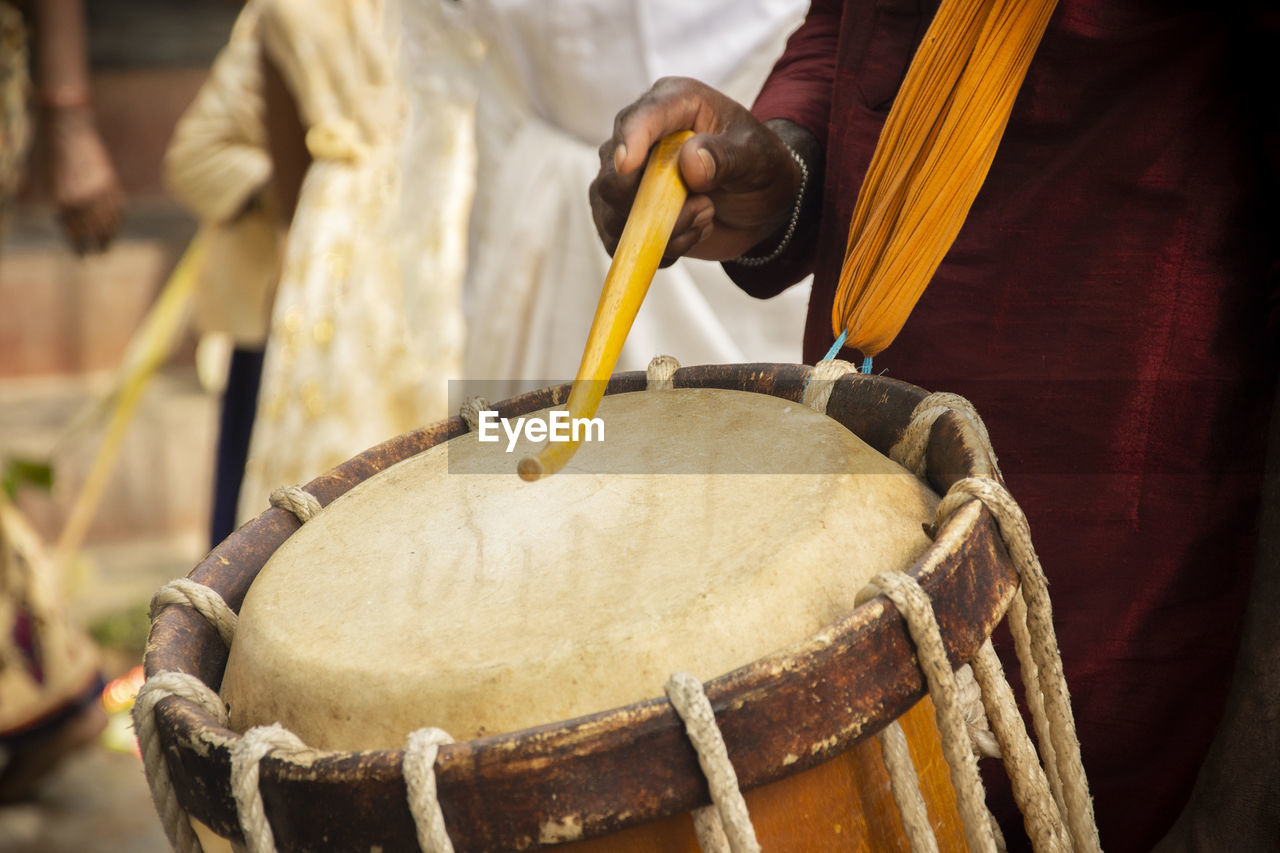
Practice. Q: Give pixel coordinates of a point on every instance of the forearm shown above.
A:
(61, 66)
(215, 182)
(82, 179)
(217, 161)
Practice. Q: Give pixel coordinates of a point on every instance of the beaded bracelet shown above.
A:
(791, 226)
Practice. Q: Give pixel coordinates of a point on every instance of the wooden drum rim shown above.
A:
(779, 715)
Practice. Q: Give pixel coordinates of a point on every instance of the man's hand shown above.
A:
(82, 179)
(742, 180)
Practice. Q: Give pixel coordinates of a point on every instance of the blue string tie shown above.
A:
(839, 344)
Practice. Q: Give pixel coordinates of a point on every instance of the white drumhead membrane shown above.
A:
(480, 603)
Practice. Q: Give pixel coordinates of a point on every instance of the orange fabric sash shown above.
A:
(932, 156)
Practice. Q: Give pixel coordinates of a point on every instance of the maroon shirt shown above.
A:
(1103, 307)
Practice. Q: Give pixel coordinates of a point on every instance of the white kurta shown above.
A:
(557, 71)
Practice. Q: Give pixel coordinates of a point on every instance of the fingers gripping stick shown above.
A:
(653, 214)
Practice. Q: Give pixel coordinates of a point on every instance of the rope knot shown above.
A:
(909, 451)
(471, 409)
(916, 609)
(660, 374)
(298, 501)
(1009, 518)
(975, 715)
(205, 601)
(821, 382)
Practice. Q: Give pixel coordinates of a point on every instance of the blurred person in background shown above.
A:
(365, 134)
(218, 165)
(82, 180)
(49, 679)
(330, 161)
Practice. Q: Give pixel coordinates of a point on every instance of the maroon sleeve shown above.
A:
(798, 90)
(799, 87)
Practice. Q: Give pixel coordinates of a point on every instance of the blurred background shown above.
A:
(65, 324)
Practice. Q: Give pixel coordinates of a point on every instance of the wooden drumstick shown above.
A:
(644, 238)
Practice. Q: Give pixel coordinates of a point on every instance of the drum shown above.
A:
(721, 527)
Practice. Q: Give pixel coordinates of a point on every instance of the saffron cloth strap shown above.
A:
(932, 156)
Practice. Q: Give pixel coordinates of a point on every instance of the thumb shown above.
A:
(710, 161)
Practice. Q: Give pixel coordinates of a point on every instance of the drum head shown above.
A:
(447, 592)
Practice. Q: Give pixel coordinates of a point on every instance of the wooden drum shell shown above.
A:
(779, 716)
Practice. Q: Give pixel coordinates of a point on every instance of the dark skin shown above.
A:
(742, 181)
(81, 177)
(286, 140)
(743, 186)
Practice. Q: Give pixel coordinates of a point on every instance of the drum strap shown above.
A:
(933, 154)
(1044, 815)
(1036, 644)
(904, 785)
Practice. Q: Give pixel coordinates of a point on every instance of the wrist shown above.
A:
(64, 99)
(787, 231)
(67, 123)
(807, 207)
